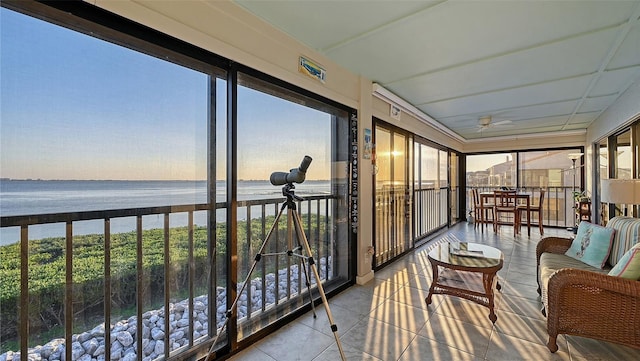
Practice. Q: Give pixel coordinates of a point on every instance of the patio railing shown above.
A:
(558, 208)
(151, 277)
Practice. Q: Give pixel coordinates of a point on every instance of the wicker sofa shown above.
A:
(581, 300)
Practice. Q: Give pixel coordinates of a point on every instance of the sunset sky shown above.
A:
(74, 107)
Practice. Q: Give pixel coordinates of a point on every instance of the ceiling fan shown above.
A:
(485, 122)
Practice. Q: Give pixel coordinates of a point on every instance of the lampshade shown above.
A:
(620, 191)
(574, 156)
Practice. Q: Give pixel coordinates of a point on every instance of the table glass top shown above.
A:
(467, 254)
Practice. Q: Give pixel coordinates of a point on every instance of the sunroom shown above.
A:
(154, 159)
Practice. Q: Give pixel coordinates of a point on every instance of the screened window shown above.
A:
(106, 149)
(491, 170)
(276, 130)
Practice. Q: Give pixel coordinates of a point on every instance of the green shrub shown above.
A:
(47, 271)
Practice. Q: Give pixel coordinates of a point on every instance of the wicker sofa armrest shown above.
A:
(552, 245)
(593, 305)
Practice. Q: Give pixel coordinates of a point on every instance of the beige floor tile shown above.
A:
(520, 305)
(388, 274)
(343, 318)
(407, 264)
(401, 315)
(422, 348)
(519, 290)
(508, 348)
(381, 288)
(465, 311)
(382, 340)
(351, 354)
(359, 302)
(463, 336)
(295, 341)
(252, 354)
(528, 279)
(591, 349)
(422, 282)
(411, 296)
(529, 329)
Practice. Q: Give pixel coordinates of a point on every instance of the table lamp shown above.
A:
(621, 191)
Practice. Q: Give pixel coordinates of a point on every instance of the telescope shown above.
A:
(295, 175)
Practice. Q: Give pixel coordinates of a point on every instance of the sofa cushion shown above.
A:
(592, 244)
(629, 264)
(551, 262)
(627, 234)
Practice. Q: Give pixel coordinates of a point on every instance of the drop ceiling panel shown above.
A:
(577, 56)
(629, 52)
(612, 81)
(583, 119)
(521, 127)
(517, 114)
(596, 104)
(508, 132)
(323, 24)
(456, 32)
(572, 88)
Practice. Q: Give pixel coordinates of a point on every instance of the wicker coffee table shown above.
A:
(469, 257)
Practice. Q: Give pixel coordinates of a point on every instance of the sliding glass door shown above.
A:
(393, 195)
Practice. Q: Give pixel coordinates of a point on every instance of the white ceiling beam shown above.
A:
(607, 59)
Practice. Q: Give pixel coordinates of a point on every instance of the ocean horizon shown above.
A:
(32, 197)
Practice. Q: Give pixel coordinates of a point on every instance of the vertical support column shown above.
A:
(232, 202)
(212, 212)
(364, 273)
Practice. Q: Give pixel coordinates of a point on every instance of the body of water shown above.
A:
(30, 197)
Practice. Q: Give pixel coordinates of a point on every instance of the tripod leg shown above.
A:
(301, 237)
(234, 305)
(307, 279)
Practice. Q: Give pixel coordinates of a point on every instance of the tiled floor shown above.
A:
(387, 319)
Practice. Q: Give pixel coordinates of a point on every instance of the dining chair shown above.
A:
(533, 208)
(480, 210)
(505, 203)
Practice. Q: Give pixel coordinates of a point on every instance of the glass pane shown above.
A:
(444, 167)
(491, 170)
(276, 129)
(553, 171)
(453, 179)
(624, 158)
(103, 128)
(399, 161)
(383, 159)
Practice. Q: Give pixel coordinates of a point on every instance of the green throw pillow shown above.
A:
(629, 264)
(592, 244)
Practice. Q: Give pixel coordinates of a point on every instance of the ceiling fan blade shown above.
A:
(502, 122)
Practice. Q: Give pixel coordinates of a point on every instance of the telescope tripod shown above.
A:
(303, 246)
